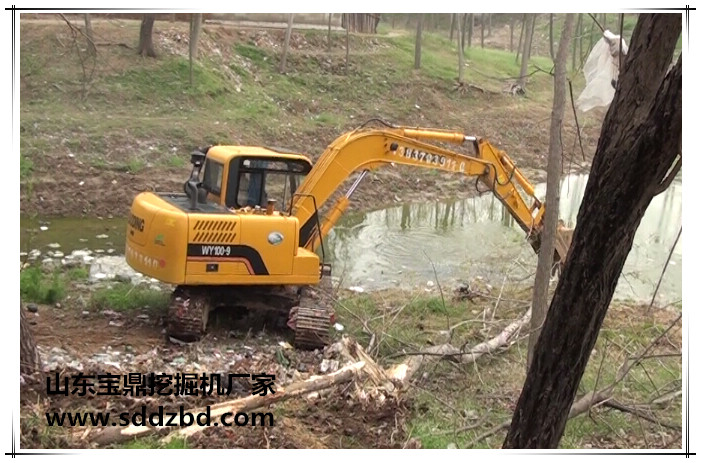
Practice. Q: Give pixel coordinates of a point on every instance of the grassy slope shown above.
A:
(126, 112)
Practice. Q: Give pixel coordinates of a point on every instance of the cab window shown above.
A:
(261, 179)
(213, 174)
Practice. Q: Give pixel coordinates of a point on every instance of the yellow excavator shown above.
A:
(247, 229)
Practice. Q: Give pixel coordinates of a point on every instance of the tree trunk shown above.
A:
(530, 25)
(462, 31)
(489, 24)
(520, 37)
(146, 36)
(580, 40)
(286, 46)
(29, 361)
(482, 31)
(639, 142)
(461, 60)
(417, 44)
(347, 49)
(470, 28)
(511, 34)
(89, 35)
(551, 33)
(328, 36)
(552, 192)
(452, 26)
(195, 28)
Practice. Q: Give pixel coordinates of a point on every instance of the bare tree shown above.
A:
(89, 34)
(195, 28)
(461, 60)
(286, 46)
(29, 360)
(530, 25)
(146, 36)
(417, 44)
(328, 37)
(452, 26)
(482, 30)
(470, 28)
(550, 36)
(577, 31)
(511, 33)
(552, 192)
(520, 37)
(635, 157)
(347, 49)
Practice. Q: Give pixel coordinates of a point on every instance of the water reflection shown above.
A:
(462, 239)
(457, 239)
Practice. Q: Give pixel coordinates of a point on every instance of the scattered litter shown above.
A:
(53, 245)
(116, 323)
(356, 289)
(285, 345)
(338, 327)
(102, 237)
(328, 366)
(43, 228)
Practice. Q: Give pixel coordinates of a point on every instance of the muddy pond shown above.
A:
(422, 245)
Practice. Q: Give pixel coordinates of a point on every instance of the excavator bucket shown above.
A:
(563, 241)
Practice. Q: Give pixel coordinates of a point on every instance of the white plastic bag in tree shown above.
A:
(600, 70)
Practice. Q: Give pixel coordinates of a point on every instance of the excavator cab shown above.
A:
(239, 179)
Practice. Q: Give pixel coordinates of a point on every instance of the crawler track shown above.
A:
(308, 308)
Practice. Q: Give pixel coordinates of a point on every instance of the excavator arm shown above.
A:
(367, 148)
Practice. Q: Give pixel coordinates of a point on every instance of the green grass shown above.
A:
(154, 443)
(450, 397)
(127, 297)
(41, 287)
(78, 273)
(25, 167)
(168, 82)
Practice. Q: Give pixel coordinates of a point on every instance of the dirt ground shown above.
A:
(336, 420)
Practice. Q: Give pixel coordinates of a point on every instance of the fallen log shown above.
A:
(115, 435)
(405, 371)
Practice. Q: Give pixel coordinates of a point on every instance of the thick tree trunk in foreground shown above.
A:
(552, 192)
(640, 139)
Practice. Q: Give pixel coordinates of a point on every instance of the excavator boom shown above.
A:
(368, 148)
